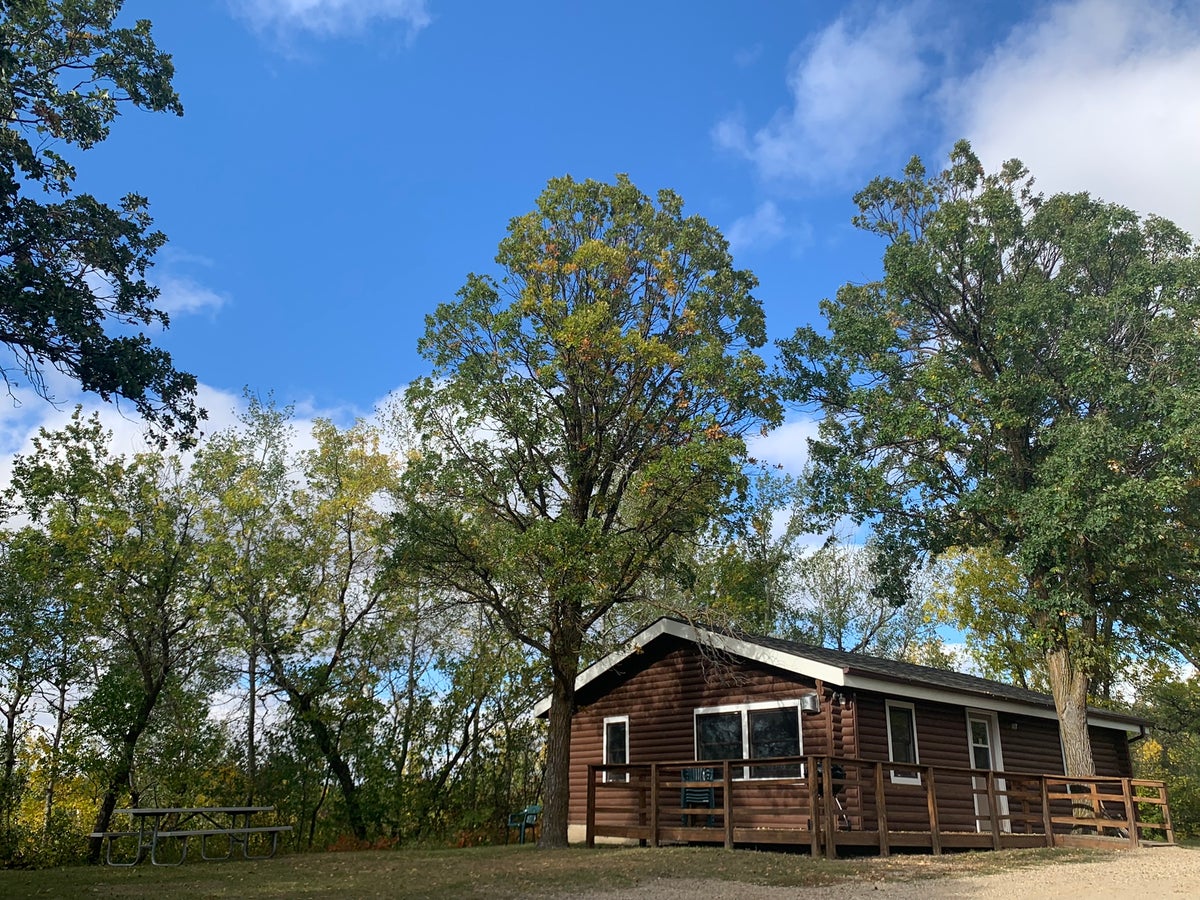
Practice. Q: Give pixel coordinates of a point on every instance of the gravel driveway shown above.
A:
(1143, 874)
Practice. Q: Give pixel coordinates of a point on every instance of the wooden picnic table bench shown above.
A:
(155, 826)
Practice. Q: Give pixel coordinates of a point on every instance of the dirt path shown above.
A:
(1142, 874)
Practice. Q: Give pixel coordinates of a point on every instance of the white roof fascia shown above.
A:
(702, 636)
(789, 662)
(975, 701)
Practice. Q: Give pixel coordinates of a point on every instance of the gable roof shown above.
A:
(839, 668)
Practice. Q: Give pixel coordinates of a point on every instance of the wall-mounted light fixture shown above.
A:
(810, 703)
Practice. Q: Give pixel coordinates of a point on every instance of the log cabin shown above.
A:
(693, 734)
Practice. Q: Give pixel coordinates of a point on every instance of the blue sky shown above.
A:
(343, 164)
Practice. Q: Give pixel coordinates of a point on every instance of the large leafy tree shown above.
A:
(586, 409)
(73, 291)
(297, 569)
(1024, 377)
(838, 601)
(127, 531)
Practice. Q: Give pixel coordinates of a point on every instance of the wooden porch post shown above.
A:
(590, 827)
(994, 814)
(814, 821)
(727, 803)
(1166, 808)
(935, 837)
(830, 823)
(653, 804)
(1130, 812)
(881, 811)
(1046, 822)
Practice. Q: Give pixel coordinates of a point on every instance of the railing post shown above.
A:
(881, 811)
(814, 820)
(1046, 818)
(1130, 812)
(1166, 808)
(935, 837)
(653, 804)
(993, 813)
(727, 803)
(590, 827)
(830, 820)
(642, 822)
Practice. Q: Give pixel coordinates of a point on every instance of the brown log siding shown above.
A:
(660, 689)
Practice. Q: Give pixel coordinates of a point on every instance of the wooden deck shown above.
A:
(871, 804)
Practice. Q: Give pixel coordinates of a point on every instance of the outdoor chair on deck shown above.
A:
(696, 796)
(526, 818)
(839, 787)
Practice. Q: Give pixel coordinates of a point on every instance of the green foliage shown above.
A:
(838, 600)
(1172, 751)
(586, 411)
(1024, 377)
(149, 606)
(981, 593)
(744, 569)
(72, 269)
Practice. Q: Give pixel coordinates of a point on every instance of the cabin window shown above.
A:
(902, 740)
(751, 731)
(616, 746)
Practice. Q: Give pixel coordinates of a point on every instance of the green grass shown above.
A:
(498, 872)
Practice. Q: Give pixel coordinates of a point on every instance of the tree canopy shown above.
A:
(1024, 377)
(586, 411)
(73, 288)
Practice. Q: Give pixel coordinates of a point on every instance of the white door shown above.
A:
(983, 732)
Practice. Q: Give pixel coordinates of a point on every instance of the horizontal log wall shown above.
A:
(660, 689)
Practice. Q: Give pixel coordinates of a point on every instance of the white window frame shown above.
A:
(614, 776)
(744, 709)
(887, 715)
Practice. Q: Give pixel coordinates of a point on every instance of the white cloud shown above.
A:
(180, 295)
(762, 228)
(332, 17)
(24, 413)
(852, 89)
(1092, 95)
(1095, 95)
(786, 446)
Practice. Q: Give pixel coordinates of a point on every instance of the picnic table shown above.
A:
(156, 827)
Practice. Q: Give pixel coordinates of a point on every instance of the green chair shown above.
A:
(525, 819)
(691, 797)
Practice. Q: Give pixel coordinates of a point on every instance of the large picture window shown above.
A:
(902, 740)
(751, 731)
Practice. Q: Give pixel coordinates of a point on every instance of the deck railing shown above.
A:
(870, 804)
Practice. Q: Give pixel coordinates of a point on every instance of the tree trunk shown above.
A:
(557, 797)
(337, 765)
(60, 718)
(1069, 684)
(117, 783)
(120, 777)
(251, 754)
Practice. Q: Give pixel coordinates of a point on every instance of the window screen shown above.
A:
(902, 742)
(774, 732)
(719, 736)
(616, 747)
